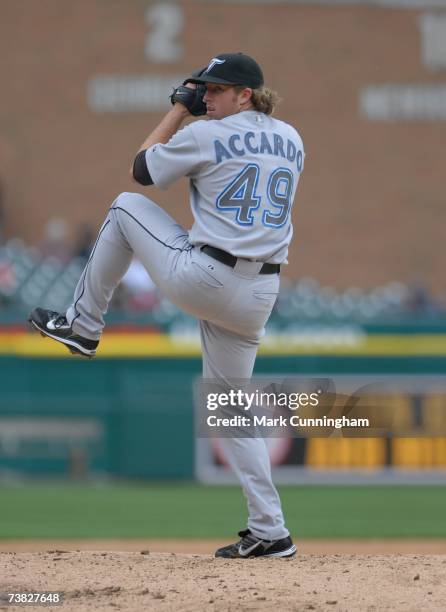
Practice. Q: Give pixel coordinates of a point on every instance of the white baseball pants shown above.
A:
(232, 305)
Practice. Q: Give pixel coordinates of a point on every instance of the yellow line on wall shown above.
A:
(161, 345)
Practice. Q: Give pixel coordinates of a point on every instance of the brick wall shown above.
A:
(370, 206)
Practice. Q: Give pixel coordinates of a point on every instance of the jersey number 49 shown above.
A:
(240, 196)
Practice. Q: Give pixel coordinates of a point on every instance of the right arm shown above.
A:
(163, 132)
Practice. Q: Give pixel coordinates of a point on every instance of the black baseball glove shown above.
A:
(192, 99)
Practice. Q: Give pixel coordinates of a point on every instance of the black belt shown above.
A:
(231, 260)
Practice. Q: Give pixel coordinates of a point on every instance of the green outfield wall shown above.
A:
(129, 417)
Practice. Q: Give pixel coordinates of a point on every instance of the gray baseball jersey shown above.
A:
(244, 171)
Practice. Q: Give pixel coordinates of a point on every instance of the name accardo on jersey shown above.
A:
(258, 143)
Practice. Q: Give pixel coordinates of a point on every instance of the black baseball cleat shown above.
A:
(251, 546)
(55, 325)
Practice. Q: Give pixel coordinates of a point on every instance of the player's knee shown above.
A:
(128, 200)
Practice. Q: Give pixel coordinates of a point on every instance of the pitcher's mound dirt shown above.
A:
(143, 580)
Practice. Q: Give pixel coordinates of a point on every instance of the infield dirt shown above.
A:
(147, 580)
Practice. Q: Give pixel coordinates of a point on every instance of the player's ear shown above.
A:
(246, 94)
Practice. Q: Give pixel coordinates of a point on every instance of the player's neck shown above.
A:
(246, 107)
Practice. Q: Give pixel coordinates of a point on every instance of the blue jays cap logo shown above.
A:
(214, 61)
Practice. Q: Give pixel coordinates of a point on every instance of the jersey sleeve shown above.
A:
(181, 156)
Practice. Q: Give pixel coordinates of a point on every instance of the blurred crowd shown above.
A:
(47, 276)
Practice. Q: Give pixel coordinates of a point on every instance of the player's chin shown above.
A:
(212, 114)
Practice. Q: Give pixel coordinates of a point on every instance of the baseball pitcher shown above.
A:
(244, 167)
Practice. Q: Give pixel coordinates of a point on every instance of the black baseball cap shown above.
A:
(230, 69)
